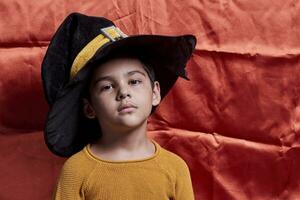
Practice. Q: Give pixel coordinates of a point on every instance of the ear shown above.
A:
(156, 94)
(88, 109)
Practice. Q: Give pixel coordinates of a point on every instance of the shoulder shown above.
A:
(78, 164)
(179, 172)
(172, 162)
(74, 176)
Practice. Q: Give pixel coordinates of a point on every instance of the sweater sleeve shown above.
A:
(70, 182)
(183, 187)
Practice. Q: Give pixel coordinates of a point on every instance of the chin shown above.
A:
(132, 121)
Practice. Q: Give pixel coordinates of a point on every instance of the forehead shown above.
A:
(118, 66)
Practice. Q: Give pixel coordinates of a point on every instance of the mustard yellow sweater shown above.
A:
(163, 176)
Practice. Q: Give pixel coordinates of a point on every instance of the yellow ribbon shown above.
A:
(90, 49)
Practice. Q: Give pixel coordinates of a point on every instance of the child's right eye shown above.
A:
(106, 87)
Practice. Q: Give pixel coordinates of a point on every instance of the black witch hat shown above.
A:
(79, 43)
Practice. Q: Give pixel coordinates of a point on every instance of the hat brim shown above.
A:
(167, 55)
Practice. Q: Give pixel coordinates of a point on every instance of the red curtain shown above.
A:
(236, 122)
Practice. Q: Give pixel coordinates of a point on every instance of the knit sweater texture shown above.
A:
(163, 176)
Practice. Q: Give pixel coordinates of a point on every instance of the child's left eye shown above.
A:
(135, 82)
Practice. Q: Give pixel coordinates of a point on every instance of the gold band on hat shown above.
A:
(108, 34)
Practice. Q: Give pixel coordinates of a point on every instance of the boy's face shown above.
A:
(121, 94)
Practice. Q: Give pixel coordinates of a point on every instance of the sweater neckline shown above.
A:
(90, 154)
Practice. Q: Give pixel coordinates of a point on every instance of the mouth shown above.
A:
(126, 108)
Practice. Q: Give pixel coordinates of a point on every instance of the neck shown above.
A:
(129, 139)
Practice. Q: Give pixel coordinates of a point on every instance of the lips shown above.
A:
(124, 108)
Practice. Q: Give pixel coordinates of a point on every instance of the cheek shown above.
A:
(146, 99)
(100, 103)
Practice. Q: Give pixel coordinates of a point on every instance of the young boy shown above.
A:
(101, 87)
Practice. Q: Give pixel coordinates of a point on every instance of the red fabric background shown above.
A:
(236, 123)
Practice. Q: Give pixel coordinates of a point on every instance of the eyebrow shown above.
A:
(109, 78)
(136, 71)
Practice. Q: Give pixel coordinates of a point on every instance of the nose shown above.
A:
(123, 93)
